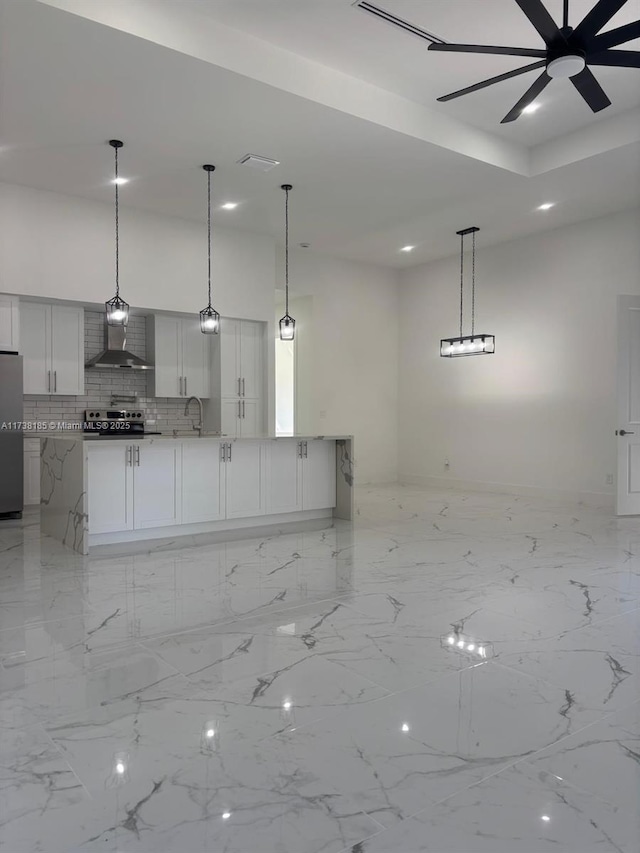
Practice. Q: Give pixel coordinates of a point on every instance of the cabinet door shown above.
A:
(245, 479)
(230, 411)
(195, 360)
(9, 323)
(35, 332)
(251, 358)
(167, 356)
(31, 477)
(229, 358)
(319, 475)
(156, 484)
(110, 488)
(202, 481)
(67, 350)
(284, 476)
(250, 417)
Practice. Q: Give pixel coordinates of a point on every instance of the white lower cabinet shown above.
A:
(301, 475)
(203, 481)
(153, 484)
(31, 471)
(319, 474)
(156, 484)
(245, 479)
(110, 487)
(284, 475)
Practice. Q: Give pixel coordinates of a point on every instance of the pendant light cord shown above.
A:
(117, 229)
(286, 253)
(461, 279)
(566, 14)
(473, 284)
(209, 234)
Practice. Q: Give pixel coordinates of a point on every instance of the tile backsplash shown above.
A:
(101, 386)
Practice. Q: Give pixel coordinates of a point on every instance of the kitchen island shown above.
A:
(100, 491)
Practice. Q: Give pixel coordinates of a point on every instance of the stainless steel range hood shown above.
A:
(115, 353)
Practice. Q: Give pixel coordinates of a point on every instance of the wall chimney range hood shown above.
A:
(115, 353)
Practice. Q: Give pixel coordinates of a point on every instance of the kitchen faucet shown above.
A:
(197, 426)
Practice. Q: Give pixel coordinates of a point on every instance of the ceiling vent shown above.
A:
(395, 21)
(262, 164)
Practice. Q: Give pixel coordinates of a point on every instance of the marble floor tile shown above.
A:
(515, 811)
(298, 693)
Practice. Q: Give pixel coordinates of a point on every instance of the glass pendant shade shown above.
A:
(209, 321)
(468, 345)
(117, 311)
(287, 328)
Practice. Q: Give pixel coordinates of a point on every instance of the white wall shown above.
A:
(540, 412)
(62, 246)
(354, 371)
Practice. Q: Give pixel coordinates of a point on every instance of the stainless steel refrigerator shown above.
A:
(11, 435)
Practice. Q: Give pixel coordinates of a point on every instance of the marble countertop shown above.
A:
(73, 435)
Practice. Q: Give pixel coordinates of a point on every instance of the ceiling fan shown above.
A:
(568, 53)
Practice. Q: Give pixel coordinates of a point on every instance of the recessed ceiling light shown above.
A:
(120, 181)
(230, 205)
(545, 818)
(547, 205)
(407, 248)
(531, 108)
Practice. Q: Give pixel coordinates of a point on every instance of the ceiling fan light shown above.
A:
(566, 66)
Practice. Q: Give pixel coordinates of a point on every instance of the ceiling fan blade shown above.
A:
(620, 35)
(616, 58)
(506, 76)
(486, 48)
(595, 20)
(530, 95)
(591, 90)
(541, 20)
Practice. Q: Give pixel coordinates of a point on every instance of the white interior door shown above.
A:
(67, 350)
(628, 426)
(35, 333)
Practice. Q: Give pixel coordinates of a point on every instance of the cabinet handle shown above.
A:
(55, 380)
(229, 456)
(243, 409)
(305, 449)
(243, 394)
(138, 455)
(129, 456)
(239, 381)
(299, 450)
(185, 386)
(239, 409)
(48, 380)
(223, 452)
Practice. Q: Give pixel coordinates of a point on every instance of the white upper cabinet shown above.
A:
(52, 342)
(181, 354)
(241, 358)
(9, 323)
(230, 382)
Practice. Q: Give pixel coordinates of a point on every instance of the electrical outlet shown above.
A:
(609, 479)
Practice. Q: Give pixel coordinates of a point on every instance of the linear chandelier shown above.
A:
(475, 343)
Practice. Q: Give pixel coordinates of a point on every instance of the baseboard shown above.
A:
(599, 499)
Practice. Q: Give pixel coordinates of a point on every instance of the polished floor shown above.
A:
(453, 674)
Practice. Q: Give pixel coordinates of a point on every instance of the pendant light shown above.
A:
(209, 317)
(117, 309)
(475, 343)
(287, 324)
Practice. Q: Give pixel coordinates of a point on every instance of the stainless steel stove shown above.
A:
(115, 423)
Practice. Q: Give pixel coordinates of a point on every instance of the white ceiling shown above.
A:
(338, 34)
(365, 183)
